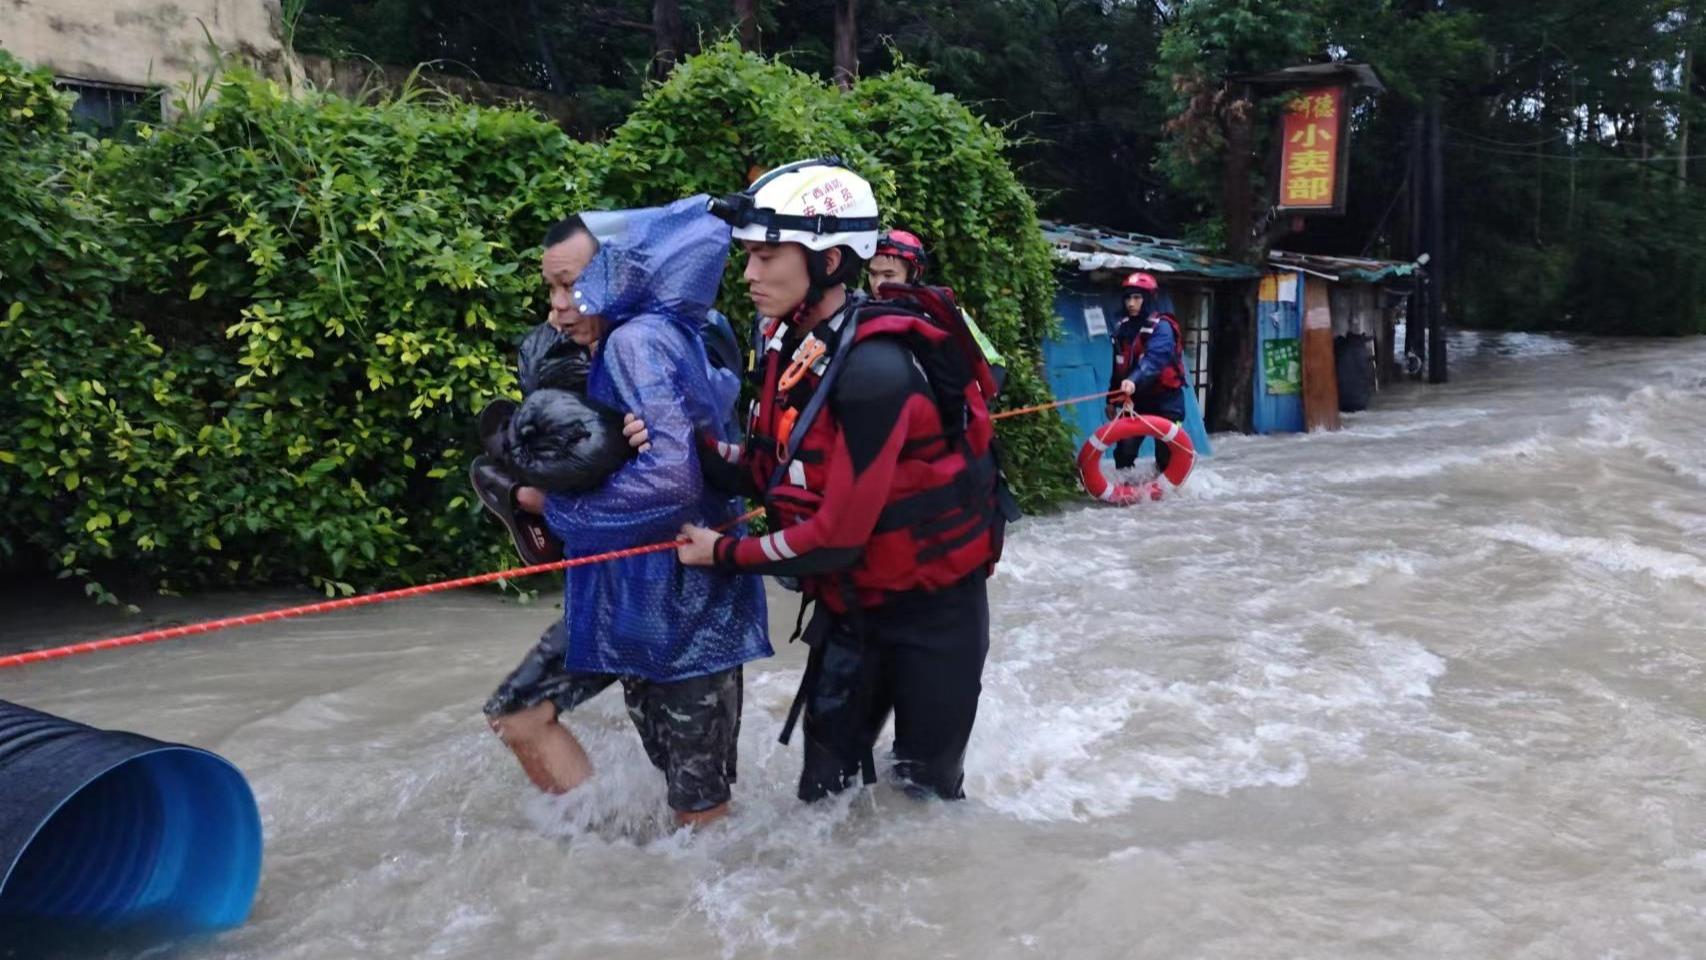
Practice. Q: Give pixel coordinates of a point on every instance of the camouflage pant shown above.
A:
(689, 727)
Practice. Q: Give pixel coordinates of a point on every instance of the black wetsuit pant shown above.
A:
(1125, 454)
(920, 656)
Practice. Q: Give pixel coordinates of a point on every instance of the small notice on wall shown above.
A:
(1282, 366)
(1278, 288)
(1317, 314)
(1095, 321)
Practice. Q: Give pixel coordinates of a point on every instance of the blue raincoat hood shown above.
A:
(653, 279)
(663, 262)
(666, 260)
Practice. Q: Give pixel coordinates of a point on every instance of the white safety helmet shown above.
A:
(818, 203)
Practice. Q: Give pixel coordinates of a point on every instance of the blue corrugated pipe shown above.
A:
(104, 832)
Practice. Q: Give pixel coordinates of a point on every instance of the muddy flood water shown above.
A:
(1432, 686)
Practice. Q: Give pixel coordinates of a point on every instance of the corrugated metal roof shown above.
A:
(1098, 248)
(1345, 269)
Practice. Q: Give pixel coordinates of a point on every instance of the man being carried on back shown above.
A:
(675, 639)
(555, 439)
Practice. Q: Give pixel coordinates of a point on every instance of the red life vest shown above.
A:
(944, 515)
(1173, 374)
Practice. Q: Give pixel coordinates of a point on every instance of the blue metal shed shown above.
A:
(1278, 390)
(1089, 306)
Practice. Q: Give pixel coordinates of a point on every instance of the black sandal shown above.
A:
(534, 541)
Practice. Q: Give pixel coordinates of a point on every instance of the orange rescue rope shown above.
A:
(386, 596)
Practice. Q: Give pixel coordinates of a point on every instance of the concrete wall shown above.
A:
(352, 78)
(153, 43)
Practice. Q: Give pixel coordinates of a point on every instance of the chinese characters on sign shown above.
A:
(1310, 148)
(1282, 366)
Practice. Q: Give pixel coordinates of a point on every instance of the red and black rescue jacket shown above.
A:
(874, 493)
(1165, 370)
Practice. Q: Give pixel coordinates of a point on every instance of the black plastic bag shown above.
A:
(549, 360)
(562, 442)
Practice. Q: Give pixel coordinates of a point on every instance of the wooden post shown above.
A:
(1320, 373)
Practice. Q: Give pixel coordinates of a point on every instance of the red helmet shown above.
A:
(906, 246)
(1139, 281)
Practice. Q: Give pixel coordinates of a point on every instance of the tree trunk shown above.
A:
(666, 37)
(1235, 340)
(1235, 198)
(1436, 244)
(746, 20)
(1682, 120)
(547, 56)
(846, 42)
(1546, 124)
(1696, 86)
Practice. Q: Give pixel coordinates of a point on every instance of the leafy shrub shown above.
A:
(93, 413)
(249, 343)
(937, 168)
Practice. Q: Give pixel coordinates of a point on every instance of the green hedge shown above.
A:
(250, 342)
(955, 188)
(94, 410)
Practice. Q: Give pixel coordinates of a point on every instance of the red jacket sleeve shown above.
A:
(870, 407)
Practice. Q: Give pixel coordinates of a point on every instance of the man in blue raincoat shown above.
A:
(637, 285)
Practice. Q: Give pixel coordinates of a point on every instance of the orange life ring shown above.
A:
(1126, 428)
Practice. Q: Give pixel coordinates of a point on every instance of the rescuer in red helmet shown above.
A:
(1149, 365)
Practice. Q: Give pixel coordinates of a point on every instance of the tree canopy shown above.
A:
(1573, 186)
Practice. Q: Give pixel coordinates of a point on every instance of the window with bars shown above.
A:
(105, 108)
